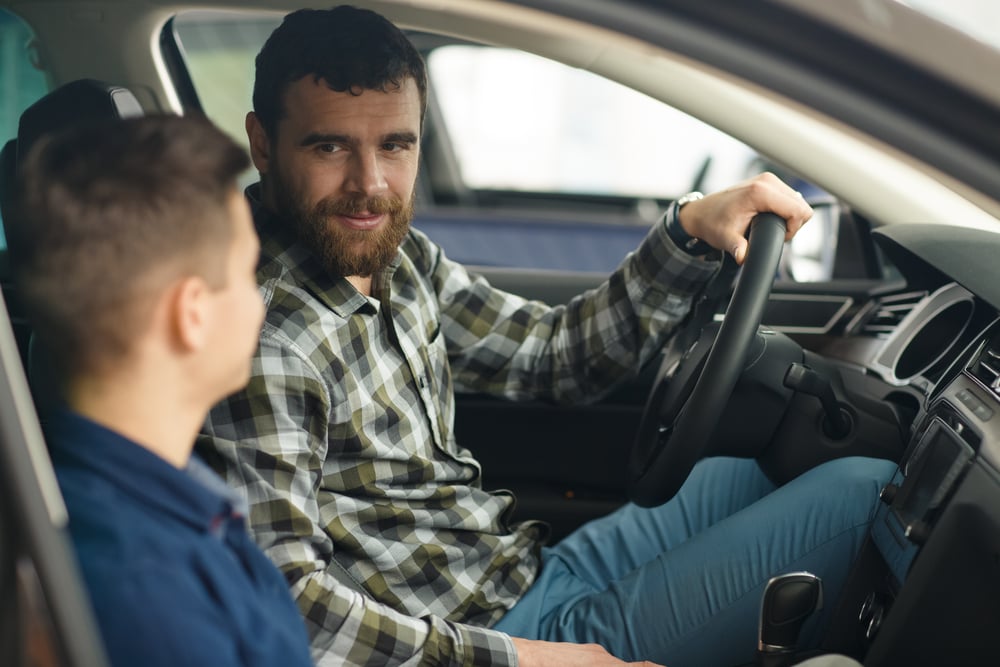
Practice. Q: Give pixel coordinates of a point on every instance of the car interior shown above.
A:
(894, 353)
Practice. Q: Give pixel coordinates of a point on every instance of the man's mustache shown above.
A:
(352, 206)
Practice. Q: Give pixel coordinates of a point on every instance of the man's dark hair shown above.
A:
(350, 49)
(106, 215)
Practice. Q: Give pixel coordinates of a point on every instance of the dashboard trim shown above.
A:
(923, 314)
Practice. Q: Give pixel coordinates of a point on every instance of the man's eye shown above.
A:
(393, 146)
(328, 148)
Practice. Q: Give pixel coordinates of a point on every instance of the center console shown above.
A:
(938, 533)
(915, 496)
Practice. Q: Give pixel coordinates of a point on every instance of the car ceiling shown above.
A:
(886, 184)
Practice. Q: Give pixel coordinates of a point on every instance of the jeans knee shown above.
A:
(859, 471)
(856, 479)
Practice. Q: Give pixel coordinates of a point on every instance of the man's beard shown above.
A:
(347, 252)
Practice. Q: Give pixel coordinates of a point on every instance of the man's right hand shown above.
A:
(534, 653)
(722, 218)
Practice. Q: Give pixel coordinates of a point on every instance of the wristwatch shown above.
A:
(690, 244)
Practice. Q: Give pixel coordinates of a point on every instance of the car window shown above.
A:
(522, 122)
(22, 79)
(219, 48)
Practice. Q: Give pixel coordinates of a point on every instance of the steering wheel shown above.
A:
(680, 417)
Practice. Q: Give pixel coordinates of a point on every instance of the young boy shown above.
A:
(136, 259)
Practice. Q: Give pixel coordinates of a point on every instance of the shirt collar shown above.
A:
(279, 244)
(194, 495)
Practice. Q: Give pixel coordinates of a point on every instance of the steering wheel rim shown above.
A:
(662, 458)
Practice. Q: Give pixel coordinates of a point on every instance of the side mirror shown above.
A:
(810, 256)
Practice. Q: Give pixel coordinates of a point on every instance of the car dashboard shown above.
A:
(933, 596)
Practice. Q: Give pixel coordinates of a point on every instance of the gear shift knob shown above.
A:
(788, 600)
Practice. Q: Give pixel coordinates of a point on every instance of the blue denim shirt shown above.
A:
(173, 576)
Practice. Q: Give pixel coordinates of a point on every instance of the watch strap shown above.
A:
(683, 240)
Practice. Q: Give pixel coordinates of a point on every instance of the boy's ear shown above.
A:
(189, 313)
(260, 146)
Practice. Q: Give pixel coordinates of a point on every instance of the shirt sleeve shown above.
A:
(273, 437)
(502, 344)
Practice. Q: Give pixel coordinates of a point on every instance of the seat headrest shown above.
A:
(78, 101)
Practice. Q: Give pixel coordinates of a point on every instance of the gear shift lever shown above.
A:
(788, 600)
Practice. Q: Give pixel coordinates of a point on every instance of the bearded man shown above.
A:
(343, 440)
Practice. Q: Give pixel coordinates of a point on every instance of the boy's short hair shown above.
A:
(107, 214)
(350, 49)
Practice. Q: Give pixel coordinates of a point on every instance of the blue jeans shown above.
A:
(681, 584)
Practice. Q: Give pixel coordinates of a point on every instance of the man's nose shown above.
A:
(366, 175)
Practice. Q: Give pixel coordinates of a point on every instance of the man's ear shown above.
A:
(189, 313)
(260, 145)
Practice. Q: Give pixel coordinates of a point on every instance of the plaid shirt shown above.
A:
(343, 440)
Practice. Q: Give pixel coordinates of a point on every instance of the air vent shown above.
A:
(883, 315)
(986, 367)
